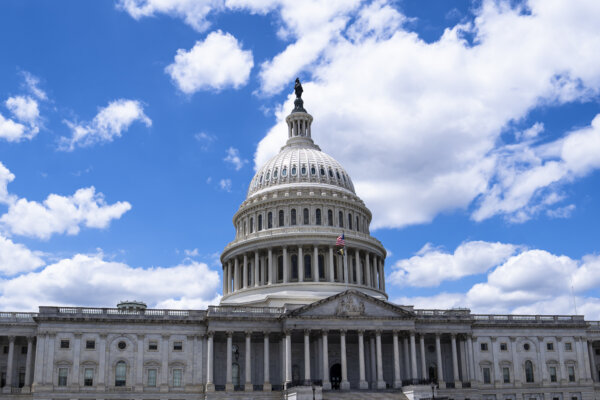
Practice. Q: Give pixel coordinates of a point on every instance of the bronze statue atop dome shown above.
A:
(298, 88)
(298, 103)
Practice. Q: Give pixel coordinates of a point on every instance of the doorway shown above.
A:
(335, 374)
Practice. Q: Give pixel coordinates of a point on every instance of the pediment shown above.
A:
(351, 304)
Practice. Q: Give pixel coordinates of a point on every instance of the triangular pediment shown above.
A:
(351, 304)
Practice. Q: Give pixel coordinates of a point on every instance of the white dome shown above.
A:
(300, 161)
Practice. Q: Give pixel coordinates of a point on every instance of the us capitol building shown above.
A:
(299, 319)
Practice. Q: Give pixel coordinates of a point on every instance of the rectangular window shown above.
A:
(484, 346)
(2, 379)
(90, 344)
(177, 346)
(597, 351)
(21, 379)
(177, 377)
(486, 375)
(62, 376)
(64, 344)
(550, 346)
(571, 372)
(503, 347)
(88, 377)
(152, 377)
(152, 346)
(506, 375)
(552, 371)
(23, 349)
(568, 346)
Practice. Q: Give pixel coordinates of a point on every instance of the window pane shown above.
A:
(62, 376)
(486, 375)
(152, 377)
(177, 377)
(120, 374)
(88, 377)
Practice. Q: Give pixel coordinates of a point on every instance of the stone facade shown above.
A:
(299, 319)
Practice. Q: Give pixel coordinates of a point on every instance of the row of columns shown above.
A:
(260, 270)
(10, 364)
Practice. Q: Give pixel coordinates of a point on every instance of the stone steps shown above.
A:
(364, 395)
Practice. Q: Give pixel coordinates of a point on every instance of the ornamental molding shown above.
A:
(350, 307)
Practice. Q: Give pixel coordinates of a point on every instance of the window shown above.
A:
(486, 375)
(505, 375)
(62, 376)
(321, 266)
(349, 221)
(503, 347)
(307, 266)
(177, 377)
(303, 170)
(357, 228)
(90, 344)
(550, 346)
(23, 349)
(88, 377)
(484, 346)
(341, 219)
(280, 218)
(330, 173)
(329, 217)
(121, 374)
(571, 373)
(337, 173)
(122, 345)
(528, 371)
(552, 371)
(597, 351)
(5, 350)
(21, 379)
(293, 217)
(294, 170)
(318, 216)
(269, 220)
(305, 216)
(280, 268)
(284, 171)
(294, 266)
(260, 222)
(251, 224)
(322, 171)
(313, 170)
(2, 379)
(568, 346)
(64, 344)
(177, 346)
(275, 173)
(152, 377)
(152, 346)
(526, 347)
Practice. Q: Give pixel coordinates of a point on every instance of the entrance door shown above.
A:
(335, 374)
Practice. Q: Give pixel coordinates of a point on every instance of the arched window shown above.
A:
(313, 170)
(322, 171)
(321, 266)
(280, 218)
(269, 220)
(260, 222)
(284, 172)
(293, 216)
(349, 221)
(245, 231)
(318, 216)
(121, 374)
(329, 217)
(529, 371)
(251, 224)
(294, 266)
(357, 228)
(330, 173)
(305, 216)
(354, 269)
(307, 266)
(341, 219)
(293, 170)
(280, 268)
(275, 173)
(303, 170)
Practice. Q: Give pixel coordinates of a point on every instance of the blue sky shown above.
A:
(129, 131)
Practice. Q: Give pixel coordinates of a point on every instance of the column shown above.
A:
(197, 360)
(380, 381)
(345, 263)
(358, 267)
(592, 357)
(397, 377)
(471, 360)
(316, 264)
(406, 354)
(326, 381)
(368, 269)
(586, 357)
(229, 377)
(267, 379)
(307, 379)
(362, 384)
(9, 365)
(164, 369)
(210, 386)
(423, 362)
(561, 361)
(288, 358)
(300, 265)
(542, 360)
(38, 372)
(440, 370)
(248, 386)
(285, 266)
(224, 279)
(584, 371)
(457, 383)
(28, 364)
(229, 276)
(413, 357)
(345, 385)
(516, 362)
(245, 272)
(139, 364)
(256, 269)
(331, 272)
(101, 361)
(236, 274)
(270, 267)
(373, 362)
(381, 276)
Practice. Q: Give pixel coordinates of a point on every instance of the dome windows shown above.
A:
(275, 173)
(313, 170)
(268, 175)
(322, 171)
(303, 170)
(284, 172)
(293, 217)
(294, 170)
(337, 173)
(330, 173)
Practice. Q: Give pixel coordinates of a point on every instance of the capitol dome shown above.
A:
(285, 249)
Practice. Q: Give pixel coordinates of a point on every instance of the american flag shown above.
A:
(340, 242)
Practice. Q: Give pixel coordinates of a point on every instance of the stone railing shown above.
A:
(89, 312)
(458, 313)
(528, 319)
(231, 311)
(17, 316)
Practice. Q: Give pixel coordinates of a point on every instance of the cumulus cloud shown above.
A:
(216, 63)
(233, 157)
(225, 184)
(16, 258)
(27, 119)
(90, 280)
(110, 122)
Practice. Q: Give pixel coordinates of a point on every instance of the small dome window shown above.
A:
(284, 171)
(344, 178)
(330, 173)
(261, 178)
(322, 171)
(294, 170)
(303, 170)
(268, 175)
(313, 170)
(337, 173)
(275, 173)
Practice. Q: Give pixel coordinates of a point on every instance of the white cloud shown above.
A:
(233, 157)
(109, 123)
(5, 178)
(25, 109)
(32, 82)
(423, 137)
(191, 253)
(204, 139)
(16, 258)
(89, 280)
(12, 131)
(432, 266)
(217, 63)
(225, 184)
